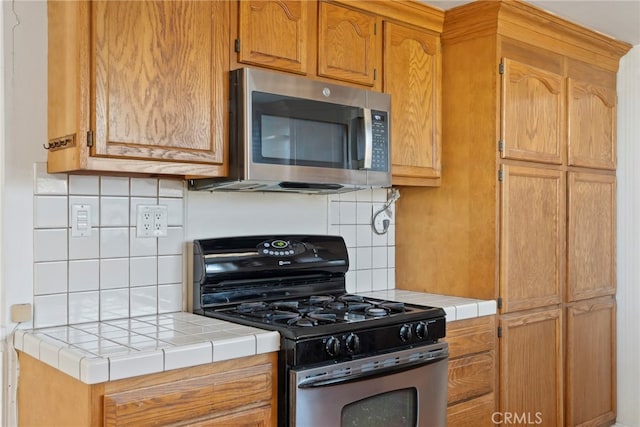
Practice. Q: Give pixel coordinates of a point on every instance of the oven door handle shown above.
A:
(374, 374)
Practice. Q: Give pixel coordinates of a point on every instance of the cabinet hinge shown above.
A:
(501, 146)
(375, 74)
(499, 331)
(375, 28)
(499, 302)
(501, 68)
(236, 45)
(500, 175)
(90, 138)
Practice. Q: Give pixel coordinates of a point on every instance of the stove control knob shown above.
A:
(332, 346)
(405, 332)
(352, 343)
(421, 330)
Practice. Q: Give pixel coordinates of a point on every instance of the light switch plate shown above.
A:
(80, 220)
(152, 220)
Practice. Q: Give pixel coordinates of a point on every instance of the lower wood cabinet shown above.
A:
(531, 364)
(472, 373)
(590, 362)
(239, 392)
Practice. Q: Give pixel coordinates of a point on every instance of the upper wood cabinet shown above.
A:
(275, 34)
(532, 113)
(592, 125)
(348, 44)
(532, 237)
(383, 46)
(591, 270)
(145, 91)
(412, 77)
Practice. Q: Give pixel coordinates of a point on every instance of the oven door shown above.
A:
(404, 388)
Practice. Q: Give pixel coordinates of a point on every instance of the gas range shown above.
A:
(295, 284)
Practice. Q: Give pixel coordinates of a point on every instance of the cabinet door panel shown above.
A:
(532, 237)
(591, 367)
(412, 72)
(347, 44)
(532, 113)
(189, 399)
(592, 125)
(592, 236)
(531, 366)
(156, 93)
(284, 49)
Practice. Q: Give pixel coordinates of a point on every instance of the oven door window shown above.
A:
(299, 132)
(398, 408)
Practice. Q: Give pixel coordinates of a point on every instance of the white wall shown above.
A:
(628, 250)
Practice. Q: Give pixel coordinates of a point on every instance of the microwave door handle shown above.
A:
(368, 139)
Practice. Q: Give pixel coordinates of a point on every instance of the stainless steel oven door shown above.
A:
(406, 388)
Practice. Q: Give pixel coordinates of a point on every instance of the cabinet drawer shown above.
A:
(190, 398)
(471, 376)
(472, 413)
(471, 336)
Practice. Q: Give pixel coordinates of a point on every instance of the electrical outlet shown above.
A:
(20, 313)
(151, 220)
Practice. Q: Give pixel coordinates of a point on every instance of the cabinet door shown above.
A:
(159, 85)
(532, 113)
(191, 399)
(591, 240)
(531, 367)
(412, 67)
(591, 362)
(274, 34)
(532, 236)
(592, 125)
(348, 44)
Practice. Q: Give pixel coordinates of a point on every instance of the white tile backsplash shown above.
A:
(114, 186)
(143, 271)
(50, 310)
(114, 242)
(82, 307)
(84, 185)
(50, 277)
(170, 188)
(50, 212)
(113, 274)
(45, 183)
(147, 187)
(85, 247)
(114, 304)
(50, 244)
(169, 269)
(169, 298)
(114, 211)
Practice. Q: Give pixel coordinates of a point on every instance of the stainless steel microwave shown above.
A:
(291, 133)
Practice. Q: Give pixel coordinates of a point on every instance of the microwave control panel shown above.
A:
(380, 134)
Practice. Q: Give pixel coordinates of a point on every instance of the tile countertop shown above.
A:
(115, 349)
(457, 308)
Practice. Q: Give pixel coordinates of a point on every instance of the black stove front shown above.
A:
(296, 286)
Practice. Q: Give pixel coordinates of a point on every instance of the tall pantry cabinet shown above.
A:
(526, 209)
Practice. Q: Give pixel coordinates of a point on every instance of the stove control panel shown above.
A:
(279, 247)
(358, 343)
